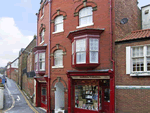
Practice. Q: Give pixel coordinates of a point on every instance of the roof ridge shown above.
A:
(140, 30)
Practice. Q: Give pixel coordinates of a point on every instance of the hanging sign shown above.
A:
(90, 77)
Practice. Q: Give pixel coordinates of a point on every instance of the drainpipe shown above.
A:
(49, 61)
(37, 14)
(112, 104)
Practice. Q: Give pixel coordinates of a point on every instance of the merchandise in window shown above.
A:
(58, 58)
(86, 97)
(59, 24)
(85, 16)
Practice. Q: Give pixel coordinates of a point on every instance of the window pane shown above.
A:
(93, 57)
(148, 50)
(137, 51)
(138, 64)
(58, 58)
(86, 97)
(72, 47)
(85, 16)
(58, 19)
(59, 23)
(81, 45)
(94, 44)
(81, 57)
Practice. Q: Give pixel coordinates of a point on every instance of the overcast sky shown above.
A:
(18, 24)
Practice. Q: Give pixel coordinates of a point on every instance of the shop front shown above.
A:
(41, 92)
(90, 92)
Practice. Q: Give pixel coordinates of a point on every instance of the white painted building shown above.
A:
(145, 17)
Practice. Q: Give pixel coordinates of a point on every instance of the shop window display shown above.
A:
(86, 97)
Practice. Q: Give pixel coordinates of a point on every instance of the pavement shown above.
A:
(16, 102)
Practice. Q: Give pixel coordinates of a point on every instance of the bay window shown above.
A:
(85, 48)
(138, 60)
(40, 61)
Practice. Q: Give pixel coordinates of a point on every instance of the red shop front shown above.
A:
(41, 92)
(91, 91)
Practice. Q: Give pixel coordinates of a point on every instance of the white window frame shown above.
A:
(129, 61)
(58, 56)
(94, 50)
(58, 21)
(42, 57)
(42, 36)
(89, 13)
(37, 61)
(81, 51)
(42, 11)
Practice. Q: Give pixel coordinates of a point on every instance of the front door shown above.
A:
(43, 96)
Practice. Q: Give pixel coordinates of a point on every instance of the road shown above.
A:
(18, 103)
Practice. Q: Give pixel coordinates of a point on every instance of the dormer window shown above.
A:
(85, 48)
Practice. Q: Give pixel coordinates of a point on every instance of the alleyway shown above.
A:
(15, 98)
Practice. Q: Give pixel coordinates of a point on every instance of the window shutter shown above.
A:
(128, 60)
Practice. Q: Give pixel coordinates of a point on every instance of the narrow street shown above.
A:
(15, 99)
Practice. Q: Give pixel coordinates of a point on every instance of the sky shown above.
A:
(18, 25)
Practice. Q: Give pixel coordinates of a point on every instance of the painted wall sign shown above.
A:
(90, 77)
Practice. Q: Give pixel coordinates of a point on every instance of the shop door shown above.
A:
(105, 94)
(43, 96)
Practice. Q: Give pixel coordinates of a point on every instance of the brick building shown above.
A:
(74, 54)
(12, 70)
(26, 69)
(132, 68)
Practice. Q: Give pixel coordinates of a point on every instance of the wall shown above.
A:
(130, 100)
(126, 9)
(146, 17)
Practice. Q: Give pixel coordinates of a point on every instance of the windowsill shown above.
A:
(85, 25)
(41, 70)
(42, 42)
(58, 32)
(140, 74)
(42, 16)
(57, 66)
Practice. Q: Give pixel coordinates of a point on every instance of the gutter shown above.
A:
(49, 62)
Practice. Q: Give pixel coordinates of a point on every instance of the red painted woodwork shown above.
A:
(85, 34)
(43, 100)
(37, 50)
(107, 107)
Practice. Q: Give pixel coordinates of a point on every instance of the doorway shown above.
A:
(59, 96)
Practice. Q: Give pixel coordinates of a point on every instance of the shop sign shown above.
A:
(90, 77)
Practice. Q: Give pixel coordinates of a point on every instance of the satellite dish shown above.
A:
(124, 21)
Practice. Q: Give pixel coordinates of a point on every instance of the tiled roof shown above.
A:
(136, 35)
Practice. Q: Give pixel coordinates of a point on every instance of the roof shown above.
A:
(139, 34)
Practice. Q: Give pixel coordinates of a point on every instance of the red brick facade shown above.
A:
(101, 19)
